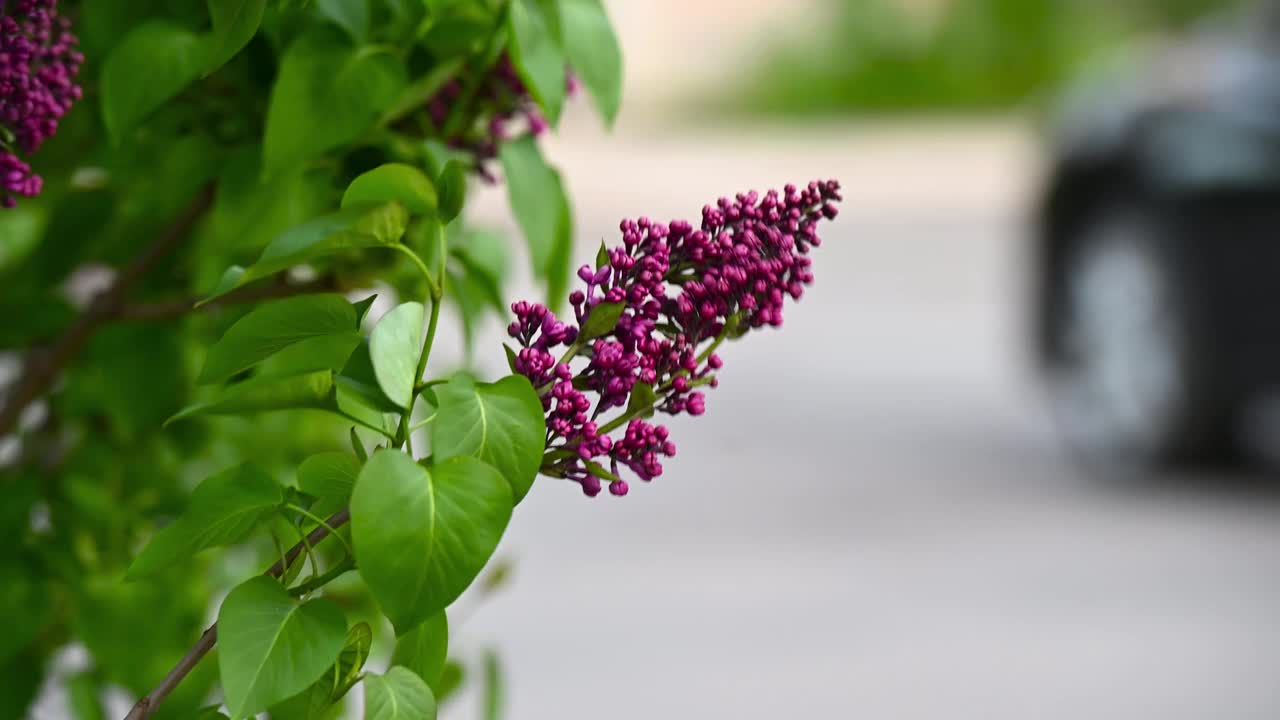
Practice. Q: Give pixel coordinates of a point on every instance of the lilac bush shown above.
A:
(260, 172)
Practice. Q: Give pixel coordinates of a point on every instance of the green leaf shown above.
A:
(542, 210)
(601, 471)
(348, 229)
(537, 55)
(224, 510)
(234, 24)
(272, 327)
(312, 390)
(602, 319)
(362, 308)
(350, 15)
(398, 695)
(250, 210)
(642, 396)
(352, 658)
(483, 255)
(453, 190)
(394, 347)
(501, 423)
(232, 278)
(593, 52)
(153, 63)
(422, 535)
(393, 182)
(318, 702)
(270, 647)
(418, 92)
(329, 474)
(327, 93)
(424, 649)
(326, 352)
(360, 376)
(602, 256)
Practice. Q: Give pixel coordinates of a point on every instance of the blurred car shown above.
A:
(1158, 253)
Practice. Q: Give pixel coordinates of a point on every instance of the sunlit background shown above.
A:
(876, 517)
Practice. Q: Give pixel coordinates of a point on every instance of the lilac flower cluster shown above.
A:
(500, 100)
(677, 292)
(38, 66)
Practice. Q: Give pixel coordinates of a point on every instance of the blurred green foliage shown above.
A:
(212, 132)
(968, 55)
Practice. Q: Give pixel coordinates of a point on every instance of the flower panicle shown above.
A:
(677, 292)
(39, 62)
(500, 99)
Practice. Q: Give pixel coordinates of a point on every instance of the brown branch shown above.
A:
(41, 368)
(152, 700)
(170, 309)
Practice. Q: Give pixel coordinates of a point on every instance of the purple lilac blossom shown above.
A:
(38, 66)
(682, 291)
(500, 100)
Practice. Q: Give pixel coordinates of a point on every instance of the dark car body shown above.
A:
(1188, 129)
(1191, 127)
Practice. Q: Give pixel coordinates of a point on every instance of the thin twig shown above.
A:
(152, 700)
(41, 368)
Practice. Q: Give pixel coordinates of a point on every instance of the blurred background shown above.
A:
(879, 515)
(1013, 455)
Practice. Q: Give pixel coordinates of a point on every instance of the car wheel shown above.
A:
(1132, 381)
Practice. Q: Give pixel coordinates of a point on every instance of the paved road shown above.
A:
(872, 519)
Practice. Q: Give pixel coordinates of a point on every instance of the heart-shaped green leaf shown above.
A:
(329, 474)
(352, 228)
(270, 647)
(318, 702)
(398, 695)
(224, 509)
(424, 649)
(327, 92)
(326, 352)
(151, 64)
(275, 326)
(422, 535)
(350, 15)
(501, 423)
(393, 182)
(312, 390)
(394, 347)
(234, 24)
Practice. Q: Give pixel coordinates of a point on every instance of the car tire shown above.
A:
(1133, 374)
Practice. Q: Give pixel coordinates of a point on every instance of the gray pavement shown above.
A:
(873, 519)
